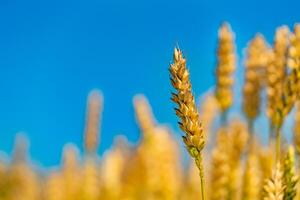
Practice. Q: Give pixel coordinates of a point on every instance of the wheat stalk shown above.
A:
(187, 111)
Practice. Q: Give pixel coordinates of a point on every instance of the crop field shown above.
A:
(228, 159)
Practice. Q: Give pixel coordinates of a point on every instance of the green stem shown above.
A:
(199, 163)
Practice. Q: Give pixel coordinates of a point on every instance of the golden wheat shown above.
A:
(290, 179)
(256, 62)
(274, 187)
(187, 111)
(226, 61)
(240, 164)
(92, 121)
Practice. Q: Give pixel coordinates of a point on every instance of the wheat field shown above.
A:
(229, 160)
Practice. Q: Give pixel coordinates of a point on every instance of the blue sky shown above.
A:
(52, 53)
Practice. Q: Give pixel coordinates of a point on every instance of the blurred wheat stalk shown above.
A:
(226, 148)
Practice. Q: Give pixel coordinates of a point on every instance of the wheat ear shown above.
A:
(274, 187)
(276, 73)
(290, 91)
(187, 112)
(94, 109)
(255, 66)
(226, 61)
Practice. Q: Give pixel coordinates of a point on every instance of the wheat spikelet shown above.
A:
(276, 71)
(187, 111)
(252, 180)
(92, 122)
(220, 168)
(225, 67)
(256, 62)
(274, 187)
(289, 176)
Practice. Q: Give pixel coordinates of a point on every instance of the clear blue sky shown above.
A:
(52, 53)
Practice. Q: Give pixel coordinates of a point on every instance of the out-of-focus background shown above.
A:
(52, 53)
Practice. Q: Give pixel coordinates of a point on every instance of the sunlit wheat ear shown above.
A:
(94, 109)
(252, 178)
(276, 71)
(274, 187)
(255, 63)
(294, 66)
(220, 168)
(144, 114)
(187, 111)
(226, 64)
(290, 179)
